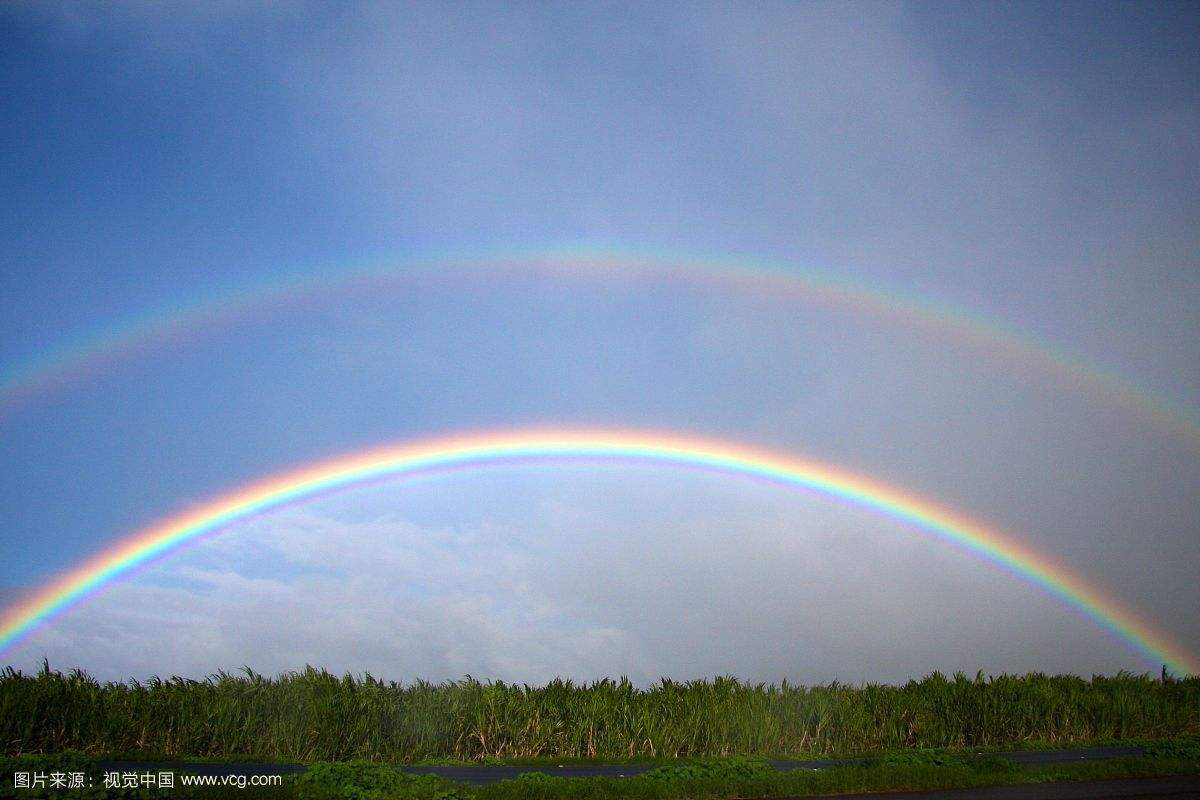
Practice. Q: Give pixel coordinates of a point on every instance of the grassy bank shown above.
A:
(722, 780)
(312, 715)
(713, 779)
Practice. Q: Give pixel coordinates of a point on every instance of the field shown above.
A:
(315, 716)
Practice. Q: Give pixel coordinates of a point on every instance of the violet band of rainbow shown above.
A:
(524, 446)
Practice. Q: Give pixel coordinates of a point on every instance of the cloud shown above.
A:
(385, 597)
(569, 582)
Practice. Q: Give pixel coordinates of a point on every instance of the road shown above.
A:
(1179, 788)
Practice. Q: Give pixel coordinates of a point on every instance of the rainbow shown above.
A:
(74, 361)
(472, 452)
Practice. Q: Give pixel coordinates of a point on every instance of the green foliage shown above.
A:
(367, 780)
(936, 758)
(535, 778)
(1182, 749)
(718, 782)
(727, 769)
(942, 758)
(313, 715)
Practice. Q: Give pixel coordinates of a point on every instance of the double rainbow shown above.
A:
(472, 452)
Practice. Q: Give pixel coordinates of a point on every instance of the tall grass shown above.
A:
(314, 715)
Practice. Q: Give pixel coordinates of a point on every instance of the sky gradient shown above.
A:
(1033, 165)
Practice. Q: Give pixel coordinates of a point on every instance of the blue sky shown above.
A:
(1035, 164)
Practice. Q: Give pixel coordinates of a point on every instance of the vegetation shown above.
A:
(315, 716)
(865, 778)
(712, 780)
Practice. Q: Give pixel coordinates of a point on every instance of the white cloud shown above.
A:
(736, 578)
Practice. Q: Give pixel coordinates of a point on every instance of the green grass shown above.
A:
(315, 716)
(870, 778)
(714, 779)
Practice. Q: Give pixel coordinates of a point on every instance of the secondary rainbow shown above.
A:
(70, 362)
(478, 451)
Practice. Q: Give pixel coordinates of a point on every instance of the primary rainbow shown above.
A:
(465, 452)
(69, 362)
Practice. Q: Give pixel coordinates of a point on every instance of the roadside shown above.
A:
(476, 774)
(1096, 772)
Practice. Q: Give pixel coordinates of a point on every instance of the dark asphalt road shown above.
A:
(489, 774)
(1180, 788)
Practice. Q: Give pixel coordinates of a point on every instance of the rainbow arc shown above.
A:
(464, 453)
(69, 363)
